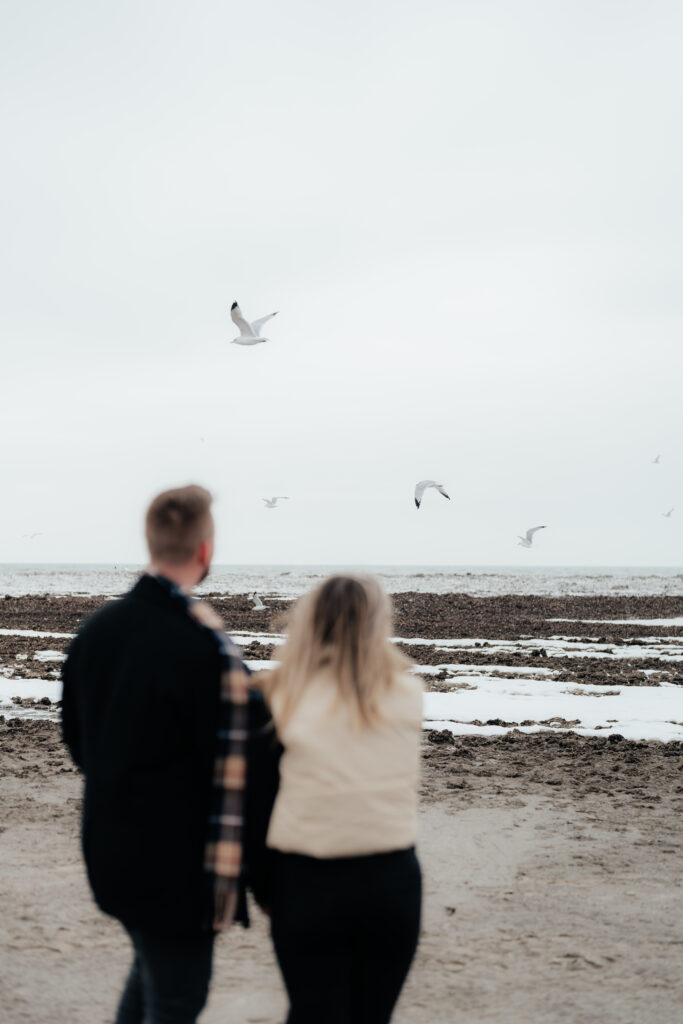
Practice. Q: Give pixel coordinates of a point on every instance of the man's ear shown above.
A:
(205, 552)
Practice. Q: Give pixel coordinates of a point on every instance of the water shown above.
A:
(289, 581)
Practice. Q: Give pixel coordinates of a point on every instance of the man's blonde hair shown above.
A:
(177, 523)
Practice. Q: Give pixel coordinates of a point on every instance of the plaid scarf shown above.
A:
(223, 851)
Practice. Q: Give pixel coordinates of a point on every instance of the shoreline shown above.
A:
(416, 614)
(488, 664)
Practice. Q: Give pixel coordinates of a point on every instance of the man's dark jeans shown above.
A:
(169, 979)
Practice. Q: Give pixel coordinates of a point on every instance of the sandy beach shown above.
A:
(553, 862)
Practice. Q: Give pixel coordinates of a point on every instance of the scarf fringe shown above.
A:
(225, 827)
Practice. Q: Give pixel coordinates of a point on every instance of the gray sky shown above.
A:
(469, 215)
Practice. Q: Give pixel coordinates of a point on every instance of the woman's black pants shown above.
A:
(345, 932)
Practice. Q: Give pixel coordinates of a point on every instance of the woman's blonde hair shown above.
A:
(342, 626)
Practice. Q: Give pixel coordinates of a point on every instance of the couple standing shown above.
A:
(300, 784)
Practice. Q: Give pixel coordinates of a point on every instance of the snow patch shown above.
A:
(639, 712)
(35, 632)
(624, 622)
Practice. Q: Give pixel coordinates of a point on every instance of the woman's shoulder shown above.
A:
(407, 689)
(409, 682)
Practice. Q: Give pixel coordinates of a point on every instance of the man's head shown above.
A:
(179, 530)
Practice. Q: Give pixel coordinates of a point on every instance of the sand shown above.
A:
(553, 863)
(553, 890)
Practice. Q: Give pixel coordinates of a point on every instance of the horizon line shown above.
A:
(406, 565)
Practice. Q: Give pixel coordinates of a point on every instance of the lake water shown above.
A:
(291, 580)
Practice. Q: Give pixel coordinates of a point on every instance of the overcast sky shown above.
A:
(469, 215)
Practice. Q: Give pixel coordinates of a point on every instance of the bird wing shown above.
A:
(534, 529)
(256, 325)
(440, 489)
(420, 488)
(238, 319)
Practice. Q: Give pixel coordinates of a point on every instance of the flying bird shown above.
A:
(528, 540)
(667, 515)
(272, 502)
(31, 536)
(422, 487)
(257, 602)
(655, 462)
(250, 333)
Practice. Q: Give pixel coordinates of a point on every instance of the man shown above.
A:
(177, 754)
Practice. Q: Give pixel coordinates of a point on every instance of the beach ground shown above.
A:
(553, 870)
(553, 863)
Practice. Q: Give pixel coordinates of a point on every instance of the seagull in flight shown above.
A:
(31, 536)
(257, 602)
(667, 515)
(528, 540)
(272, 502)
(250, 333)
(422, 486)
(655, 462)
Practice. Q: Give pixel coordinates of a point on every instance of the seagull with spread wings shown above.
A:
(667, 515)
(272, 502)
(422, 486)
(257, 602)
(528, 540)
(250, 333)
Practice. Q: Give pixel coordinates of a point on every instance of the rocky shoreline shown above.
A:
(429, 616)
(483, 620)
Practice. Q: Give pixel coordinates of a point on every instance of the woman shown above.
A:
(345, 907)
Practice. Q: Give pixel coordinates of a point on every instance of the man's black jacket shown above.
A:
(141, 690)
